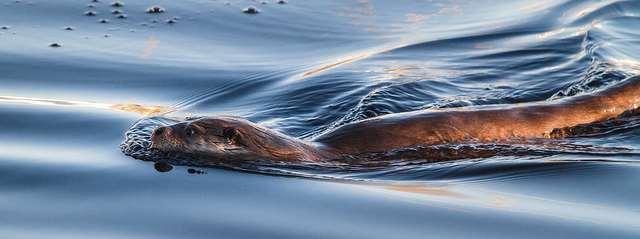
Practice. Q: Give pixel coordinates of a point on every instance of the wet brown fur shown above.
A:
(489, 124)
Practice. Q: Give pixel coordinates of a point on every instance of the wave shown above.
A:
(564, 51)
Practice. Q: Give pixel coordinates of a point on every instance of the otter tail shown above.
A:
(610, 102)
(595, 112)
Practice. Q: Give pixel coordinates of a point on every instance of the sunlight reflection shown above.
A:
(512, 202)
(133, 108)
(412, 71)
(149, 45)
(347, 60)
(426, 190)
(626, 65)
(65, 155)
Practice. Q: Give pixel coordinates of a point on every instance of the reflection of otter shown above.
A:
(220, 138)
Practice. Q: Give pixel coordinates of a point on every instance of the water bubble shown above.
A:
(251, 10)
(195, 171)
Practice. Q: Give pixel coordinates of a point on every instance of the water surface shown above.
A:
(304, 68)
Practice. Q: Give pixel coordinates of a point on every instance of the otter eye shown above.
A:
(190, 132)
(230, 134)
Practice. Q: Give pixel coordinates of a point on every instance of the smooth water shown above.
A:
(304, 68)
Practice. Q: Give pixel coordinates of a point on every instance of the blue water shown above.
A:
(304, 68)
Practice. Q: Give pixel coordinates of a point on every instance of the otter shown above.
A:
(235, 138)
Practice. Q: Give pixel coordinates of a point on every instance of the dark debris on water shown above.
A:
(155, 10)
(251, 10)
(117, 4)
(172, 21)
(119, 14)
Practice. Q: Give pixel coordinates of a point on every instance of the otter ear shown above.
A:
(231, 134)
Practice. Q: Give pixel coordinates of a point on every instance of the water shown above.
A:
(304, 68)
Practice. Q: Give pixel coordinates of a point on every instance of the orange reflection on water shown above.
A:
(128, 107)
(141, 109)
(347, 60)
(415, 18)
(149, 45)
(423, 189)
(336, 64)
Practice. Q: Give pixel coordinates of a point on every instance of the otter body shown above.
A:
(231, 137)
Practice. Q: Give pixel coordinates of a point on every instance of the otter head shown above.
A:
(221, 138)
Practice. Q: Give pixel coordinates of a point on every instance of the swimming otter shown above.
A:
(231, 138)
